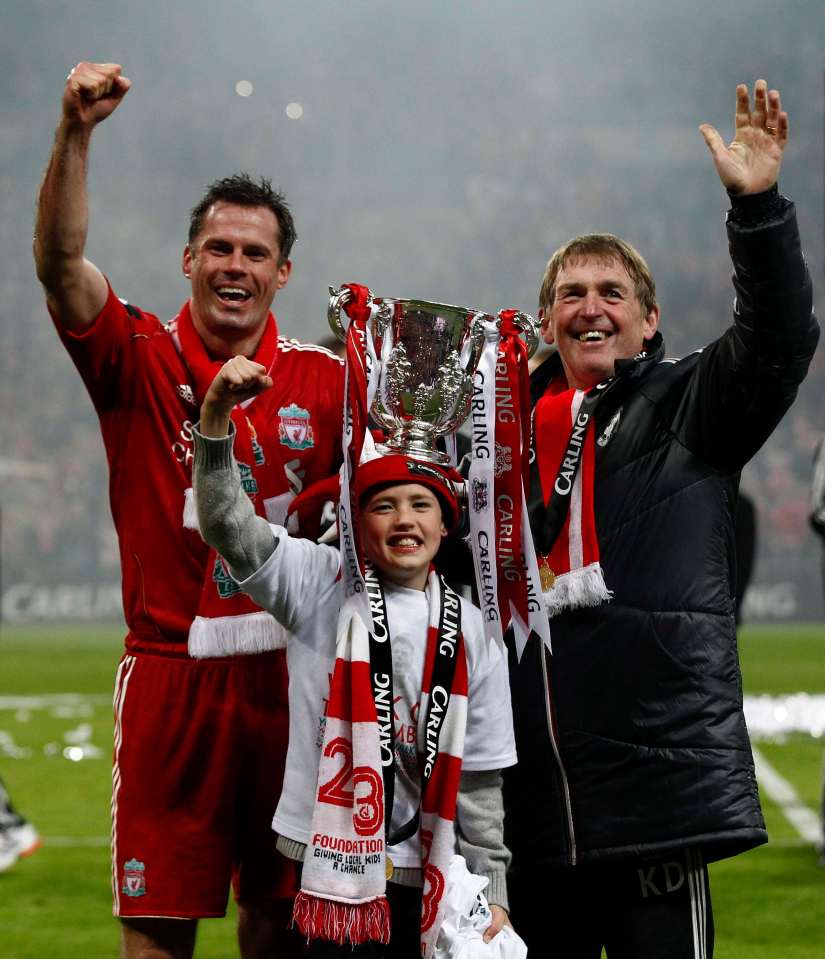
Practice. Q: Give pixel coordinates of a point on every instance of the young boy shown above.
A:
(394, 748)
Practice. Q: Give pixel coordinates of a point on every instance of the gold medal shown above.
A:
(389, 868)
(546, 575)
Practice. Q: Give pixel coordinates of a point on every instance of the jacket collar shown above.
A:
(631, 369)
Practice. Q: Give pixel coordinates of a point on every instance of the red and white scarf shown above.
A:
(564, 441)
(343, 894)
(228, 623)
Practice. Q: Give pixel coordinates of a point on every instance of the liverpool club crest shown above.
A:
(134, 878)
(610, 429)
(294, 427)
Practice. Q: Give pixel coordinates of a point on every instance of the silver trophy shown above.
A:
(427, 355)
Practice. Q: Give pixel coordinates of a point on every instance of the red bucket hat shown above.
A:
(444, 481)
(396, 468)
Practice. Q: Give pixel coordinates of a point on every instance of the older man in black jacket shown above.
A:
(635, 767)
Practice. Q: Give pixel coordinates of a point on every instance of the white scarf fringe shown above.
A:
(580, 587)
(190, 511)
(235, 635)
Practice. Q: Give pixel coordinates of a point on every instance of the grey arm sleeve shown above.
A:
(226, 517)
(480, 831)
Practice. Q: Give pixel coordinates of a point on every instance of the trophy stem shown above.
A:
(419, 448)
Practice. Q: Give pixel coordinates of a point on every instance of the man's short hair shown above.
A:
(606, 247)
(242, 190)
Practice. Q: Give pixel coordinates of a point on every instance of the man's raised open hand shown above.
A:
(750, 162)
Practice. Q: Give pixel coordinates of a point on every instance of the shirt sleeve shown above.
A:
(99, 352)
(283, 575)
(226, 517)
(298, 576)
(480, 831)
(746, 380)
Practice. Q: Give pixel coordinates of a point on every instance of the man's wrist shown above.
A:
(72, 130)
(750, 209)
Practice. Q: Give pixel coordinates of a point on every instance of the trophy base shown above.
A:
(417, 449)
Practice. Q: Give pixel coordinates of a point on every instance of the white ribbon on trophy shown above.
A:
(481, 480)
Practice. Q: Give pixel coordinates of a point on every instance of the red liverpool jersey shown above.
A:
(145, 399)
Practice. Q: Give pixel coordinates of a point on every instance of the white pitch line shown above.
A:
(790, 843)
(67, 842)
(54, 700)
(801, 817)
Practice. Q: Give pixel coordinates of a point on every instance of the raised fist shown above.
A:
(237, 380)
(93, 91)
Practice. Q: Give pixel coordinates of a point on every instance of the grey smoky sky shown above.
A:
(444, 148)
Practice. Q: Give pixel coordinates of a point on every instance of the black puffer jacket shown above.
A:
(650, 750)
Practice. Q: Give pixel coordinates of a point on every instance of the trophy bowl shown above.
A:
(427, 356)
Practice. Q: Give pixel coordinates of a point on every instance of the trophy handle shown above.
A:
(383, 316)
(475, 342)
(525, 324)
(337, 299)
(529, 330)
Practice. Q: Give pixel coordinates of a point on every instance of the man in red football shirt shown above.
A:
(200, 730)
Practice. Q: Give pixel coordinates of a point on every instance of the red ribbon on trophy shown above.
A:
(509, 471)
(359, 390)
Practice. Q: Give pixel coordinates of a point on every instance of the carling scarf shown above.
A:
(343, 894)
(564, 521)
(505, 561)
(228, 622)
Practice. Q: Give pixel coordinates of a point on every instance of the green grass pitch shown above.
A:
(768, 904)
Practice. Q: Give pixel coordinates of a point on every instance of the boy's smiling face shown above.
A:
(401, 530)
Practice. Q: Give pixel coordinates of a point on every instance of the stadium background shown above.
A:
(433, 149)
(443, 151)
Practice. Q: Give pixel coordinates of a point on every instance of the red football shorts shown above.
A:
(198, 767)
